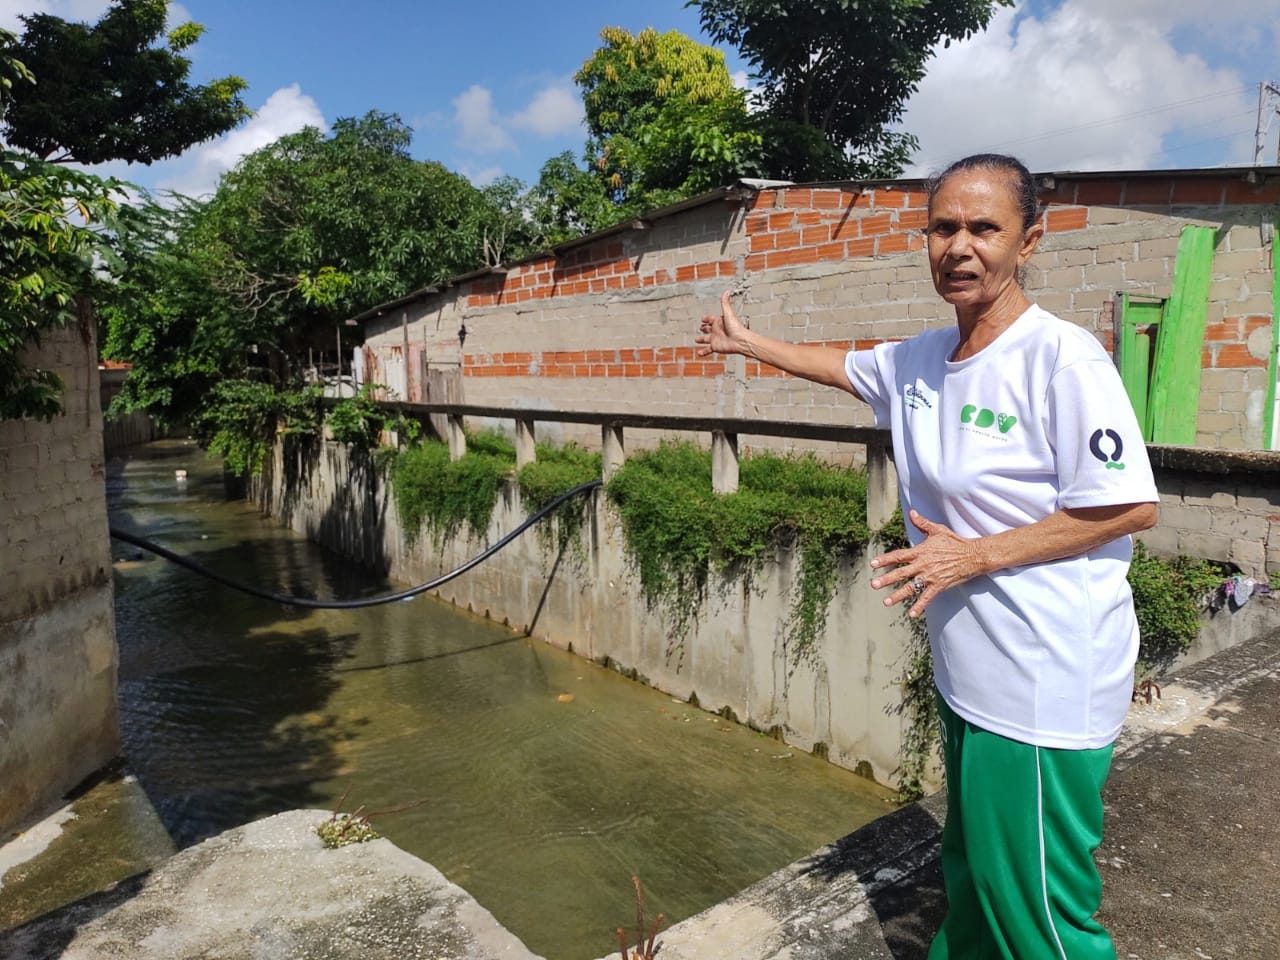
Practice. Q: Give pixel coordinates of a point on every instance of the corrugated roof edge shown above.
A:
(1249, 173)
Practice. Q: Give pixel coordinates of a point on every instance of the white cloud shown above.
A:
(477, 122)
(1092, 84)
(196, 172)
(482, 177)
(74, 11)
(552, 111)
(177, 15)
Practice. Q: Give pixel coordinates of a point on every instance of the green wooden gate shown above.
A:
(1161, 342)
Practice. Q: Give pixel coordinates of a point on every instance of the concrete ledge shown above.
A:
(877, 894)
(869, 895)
(270, 889)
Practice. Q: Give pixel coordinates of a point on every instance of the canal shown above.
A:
(536, 780)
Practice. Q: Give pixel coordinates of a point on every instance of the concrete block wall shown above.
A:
(57, 636)
(608, 324)
(1222, 506)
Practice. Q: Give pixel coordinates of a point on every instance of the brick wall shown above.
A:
(608, 324)
(57, 637)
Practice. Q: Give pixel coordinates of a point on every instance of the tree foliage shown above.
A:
(302, 234)
(47, 240)
(48, 216)
(115, 90)
(569, 201)
(664, 121)
(834, 75)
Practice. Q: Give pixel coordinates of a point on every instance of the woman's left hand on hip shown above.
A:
(939, 562)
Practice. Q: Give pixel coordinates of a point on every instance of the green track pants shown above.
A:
(1017, 849)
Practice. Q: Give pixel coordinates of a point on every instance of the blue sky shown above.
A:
(1065, 84)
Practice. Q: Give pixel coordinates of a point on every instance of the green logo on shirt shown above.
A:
(985, 418)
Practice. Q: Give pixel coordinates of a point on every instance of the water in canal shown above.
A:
(542, 781)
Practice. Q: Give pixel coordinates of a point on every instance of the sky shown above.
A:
(1062, 84)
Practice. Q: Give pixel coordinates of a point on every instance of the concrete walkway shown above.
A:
(271, 891)
(1190, 863)
(1191, 867)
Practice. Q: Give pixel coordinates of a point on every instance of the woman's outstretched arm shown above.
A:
(727, 334)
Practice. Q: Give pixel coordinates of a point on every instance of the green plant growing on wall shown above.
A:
(677, 529)
(921, 741)
(447, 495)
(241, 419)
(431, 490)
(555, 471)
(359, 420)
(1169, 597)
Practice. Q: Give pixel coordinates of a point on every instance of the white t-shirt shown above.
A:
(1035, 422)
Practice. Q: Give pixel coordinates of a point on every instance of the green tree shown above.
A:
(664, 118)
(109, 92)
(302, 234)
(47, 242)
(507, 230)
(568, 201)
(48, 238)
(834, 75)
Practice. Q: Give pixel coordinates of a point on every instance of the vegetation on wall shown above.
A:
(242, 420)
(558, 470)
(446, 496)
(677, 529)
(919, 706)
(1169, 597)
(359, 420)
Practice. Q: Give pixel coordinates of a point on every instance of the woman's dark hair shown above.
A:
(1021, 181)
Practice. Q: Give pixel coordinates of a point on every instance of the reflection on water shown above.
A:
(545, 781)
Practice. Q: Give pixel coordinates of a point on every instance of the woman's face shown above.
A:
(976, 240)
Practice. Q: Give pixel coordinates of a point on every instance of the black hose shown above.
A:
(351, 604)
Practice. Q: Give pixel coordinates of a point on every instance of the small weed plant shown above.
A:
(646, 944)
(359, 420)
(343, 829)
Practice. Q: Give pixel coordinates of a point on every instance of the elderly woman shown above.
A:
(1022, 472)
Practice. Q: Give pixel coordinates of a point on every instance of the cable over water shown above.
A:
(312, 604)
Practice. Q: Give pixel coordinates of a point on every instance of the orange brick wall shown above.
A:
(610, 324)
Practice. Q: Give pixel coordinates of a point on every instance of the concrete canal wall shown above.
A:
(57, 634)
(844, 697)
(1217, 504)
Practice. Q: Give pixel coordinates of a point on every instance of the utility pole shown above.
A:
(1268, 96)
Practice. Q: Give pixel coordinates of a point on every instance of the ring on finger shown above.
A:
(918, 584)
